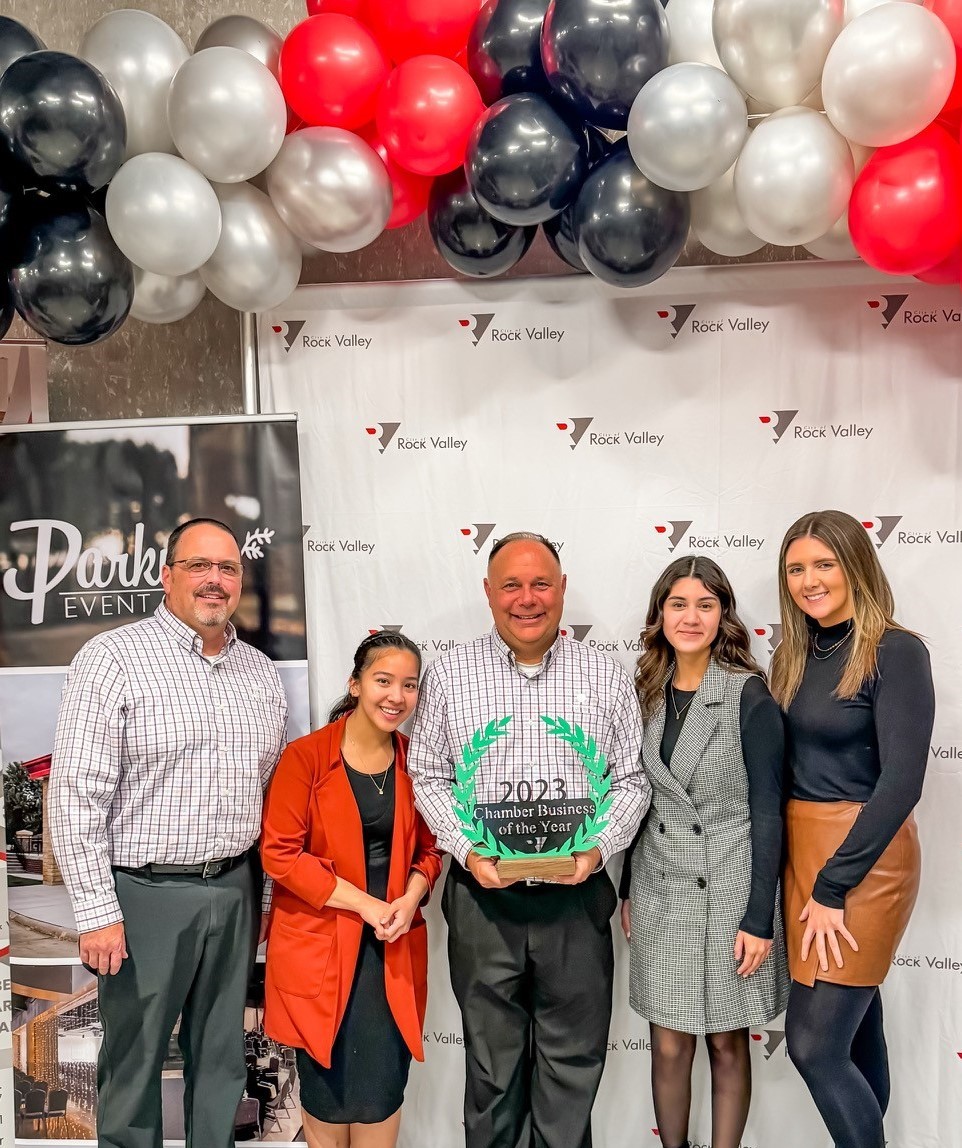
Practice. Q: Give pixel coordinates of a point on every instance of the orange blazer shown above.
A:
(311, 836)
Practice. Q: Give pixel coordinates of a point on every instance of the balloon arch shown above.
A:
(127, 171)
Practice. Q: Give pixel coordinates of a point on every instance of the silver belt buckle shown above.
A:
(531, 882)
(208, 865)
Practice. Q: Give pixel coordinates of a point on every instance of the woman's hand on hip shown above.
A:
(626, 919)
(750, 952)
(823, 925)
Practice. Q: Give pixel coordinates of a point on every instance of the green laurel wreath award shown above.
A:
(498, 830)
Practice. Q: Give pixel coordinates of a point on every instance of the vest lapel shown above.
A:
(703, 715)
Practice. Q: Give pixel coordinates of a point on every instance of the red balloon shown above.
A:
(331, 71)
(353, 8)
(407, 28)
(425, 114)
(950, 13)
(946, 272)
(411, 192)
(905, 214)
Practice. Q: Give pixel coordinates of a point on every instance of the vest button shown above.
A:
(696, 829)
(661, 827)
(701, 883)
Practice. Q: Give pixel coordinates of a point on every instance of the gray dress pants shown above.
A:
(191, 945)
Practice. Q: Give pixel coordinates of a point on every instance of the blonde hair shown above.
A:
(872, 605)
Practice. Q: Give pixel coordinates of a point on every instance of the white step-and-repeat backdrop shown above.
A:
(703, 415)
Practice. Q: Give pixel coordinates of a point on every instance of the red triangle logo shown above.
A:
(277, 330)
(766, 419)
(466, 533)
(662, 529)
(874, 304)
(868, 525)
(464, 322)
(561, 426)
(371, 430)
(662, 314)
(761, 634)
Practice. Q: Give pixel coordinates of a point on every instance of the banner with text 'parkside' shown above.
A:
(701, 415)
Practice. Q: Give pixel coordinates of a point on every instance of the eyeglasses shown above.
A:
(197, 567)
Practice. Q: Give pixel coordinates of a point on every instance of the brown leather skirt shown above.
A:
(877, 910)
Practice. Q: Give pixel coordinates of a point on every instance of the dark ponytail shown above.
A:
(366, 652)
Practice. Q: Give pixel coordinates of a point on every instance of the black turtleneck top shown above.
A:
(871, 748)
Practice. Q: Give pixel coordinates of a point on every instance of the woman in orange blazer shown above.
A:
(346, 978)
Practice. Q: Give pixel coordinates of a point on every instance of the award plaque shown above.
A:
(530, 833)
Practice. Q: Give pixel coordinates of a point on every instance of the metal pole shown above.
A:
(250, 375)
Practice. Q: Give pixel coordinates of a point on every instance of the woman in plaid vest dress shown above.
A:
(707, 954)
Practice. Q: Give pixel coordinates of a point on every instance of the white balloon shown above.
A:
(775, 49)
(163, 214)
(165, 298)
(888, 74)
(689, 28)
(836, 244)
(794, 177)
(687, 126)
(139, 54)
(717, 221)
(257, 263)
(227, 114)
(856, 8)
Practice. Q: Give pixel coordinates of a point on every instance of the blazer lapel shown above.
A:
(703, 715)
(660, 775)
(338, 809)
(403, 830)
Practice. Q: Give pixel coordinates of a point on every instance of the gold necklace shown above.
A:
(826, 654)
(380, 788)
(674, 704)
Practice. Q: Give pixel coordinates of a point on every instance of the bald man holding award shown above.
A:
(525, 757)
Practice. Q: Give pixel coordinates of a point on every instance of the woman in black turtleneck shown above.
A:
(857, 693)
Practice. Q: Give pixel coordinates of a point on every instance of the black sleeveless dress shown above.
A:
(369, 1061)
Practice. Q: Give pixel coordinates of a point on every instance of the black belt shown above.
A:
(205, 869)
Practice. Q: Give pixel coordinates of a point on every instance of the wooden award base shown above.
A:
(544, 868)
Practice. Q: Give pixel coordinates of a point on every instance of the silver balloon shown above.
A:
(717, 220)
(836, 244)
(227, 114)
(257, 263)
(139, 54)
(888, 74)
(689, 27)
(163, 214)
(856, 8)
(687, 126)
(775, 49)
(331, 189)
(794, 177)
(165, 298)
(244, 32)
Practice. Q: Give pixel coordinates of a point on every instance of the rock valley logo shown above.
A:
(889, 305)
(479, 533)
(386, 630)
(782, 421)
(881, 528)
(481, 325)
(683, 314)
(771, 1038)
(576, 428)
(289, 331)
(676, 531)
(772, 632)
(575, 632)
(388, 431)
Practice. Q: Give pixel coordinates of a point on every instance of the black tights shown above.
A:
(835, 1039)
(672, 1056)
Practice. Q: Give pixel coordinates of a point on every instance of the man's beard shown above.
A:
(210, 613)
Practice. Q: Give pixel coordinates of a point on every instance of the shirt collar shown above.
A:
(505, 653)
(184, 636)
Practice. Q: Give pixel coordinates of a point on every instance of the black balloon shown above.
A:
(599, 54)
(16, 41)
(469, 239)
(504, 50)
(6, 307)
(598, 145)
(62, 120)
(70, 282)
(630, 231)
(560, 234)
(524, 161)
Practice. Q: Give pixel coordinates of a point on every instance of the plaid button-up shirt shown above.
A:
(160, 756)
(470, 686)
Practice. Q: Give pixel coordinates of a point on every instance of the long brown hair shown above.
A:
(872, 604)
(732, 646)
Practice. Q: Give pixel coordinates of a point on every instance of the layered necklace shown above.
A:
(380, 788)
(674, 704)
(822, 655)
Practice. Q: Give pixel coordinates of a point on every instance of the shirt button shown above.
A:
(696, 829)
(661, 827)
(701, 883)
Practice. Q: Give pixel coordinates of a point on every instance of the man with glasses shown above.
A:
(168, 731)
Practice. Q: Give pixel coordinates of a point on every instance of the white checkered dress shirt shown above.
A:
(160, 756)
(466, 688)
